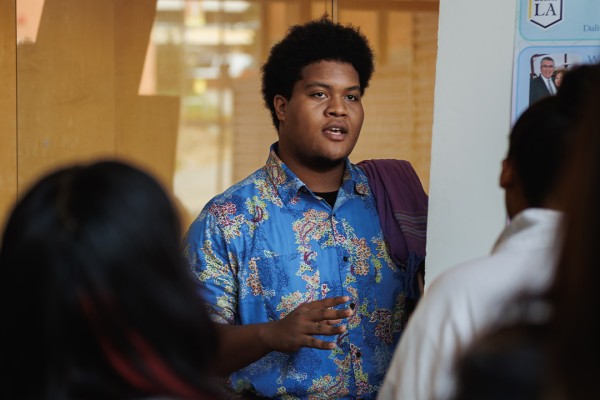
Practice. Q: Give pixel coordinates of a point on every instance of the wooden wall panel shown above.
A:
(78, 91)
(425, 33)
(146, 126)
(66, 88)
(387, 130)
(8, 108)
(253, 131)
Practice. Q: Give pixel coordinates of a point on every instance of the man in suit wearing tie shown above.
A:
(543, 85)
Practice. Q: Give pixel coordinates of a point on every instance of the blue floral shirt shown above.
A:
(268, 245)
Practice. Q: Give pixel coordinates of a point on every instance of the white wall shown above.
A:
(470, 130)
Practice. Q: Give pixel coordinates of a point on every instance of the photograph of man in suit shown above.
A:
(543, 85)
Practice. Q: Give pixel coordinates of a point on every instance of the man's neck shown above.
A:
(327, 180)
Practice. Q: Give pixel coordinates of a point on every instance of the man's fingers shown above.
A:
(324, 328)
(329, 314)
(331, 321)
(320, 344)
(331, 301)
(321, 310)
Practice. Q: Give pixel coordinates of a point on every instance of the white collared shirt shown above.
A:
(467, 299)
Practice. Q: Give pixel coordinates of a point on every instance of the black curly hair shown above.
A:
(317, 40)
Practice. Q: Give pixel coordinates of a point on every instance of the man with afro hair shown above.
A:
(292, 260)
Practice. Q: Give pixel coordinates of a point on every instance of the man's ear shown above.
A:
(507, 176)
(280, 104)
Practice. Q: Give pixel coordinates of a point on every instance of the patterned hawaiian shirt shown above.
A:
(267, 245)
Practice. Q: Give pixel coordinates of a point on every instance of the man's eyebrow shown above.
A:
(328, 87)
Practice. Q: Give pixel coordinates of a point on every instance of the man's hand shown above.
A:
(297, 329)
(241, 345)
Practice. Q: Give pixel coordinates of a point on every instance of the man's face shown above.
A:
(547, 68)
(320, 124)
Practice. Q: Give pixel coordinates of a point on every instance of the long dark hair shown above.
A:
(575, 292)
(95, 299)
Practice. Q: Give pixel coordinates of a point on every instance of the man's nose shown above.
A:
(336, 107)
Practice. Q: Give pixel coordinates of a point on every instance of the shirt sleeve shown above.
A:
(213, 266)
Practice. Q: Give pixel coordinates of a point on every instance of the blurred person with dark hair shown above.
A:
(574, 297)
(95, 298)
(293, 259)
(465, 300)
(548, 349)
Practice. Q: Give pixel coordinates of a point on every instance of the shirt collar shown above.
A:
(288, 185)
(532, 228)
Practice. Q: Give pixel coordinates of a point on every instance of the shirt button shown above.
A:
(358, 354)
(352, 305)
(345, 259)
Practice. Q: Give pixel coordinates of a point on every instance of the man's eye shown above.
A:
(352, 97)
(319, 94)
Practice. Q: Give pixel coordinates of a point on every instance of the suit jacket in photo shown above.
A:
(538, 89)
